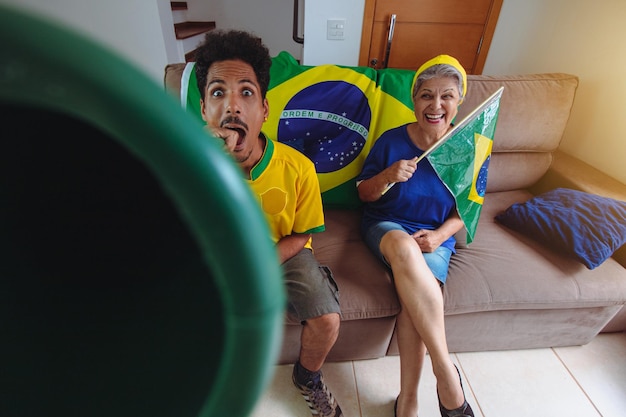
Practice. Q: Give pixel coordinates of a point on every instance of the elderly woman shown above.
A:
(411, 227)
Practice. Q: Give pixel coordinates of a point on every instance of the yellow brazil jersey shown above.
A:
(286, 185)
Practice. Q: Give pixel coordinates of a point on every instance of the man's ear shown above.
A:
(266, 108)
(202, 109)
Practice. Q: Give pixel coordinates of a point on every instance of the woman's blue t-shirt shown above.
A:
(422, 202)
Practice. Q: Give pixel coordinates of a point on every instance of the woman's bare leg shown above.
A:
(412, 353)
(422, 300)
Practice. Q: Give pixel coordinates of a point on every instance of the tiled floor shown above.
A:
(578, 381)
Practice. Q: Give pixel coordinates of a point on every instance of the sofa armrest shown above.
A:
(569, 172)
(172, 78)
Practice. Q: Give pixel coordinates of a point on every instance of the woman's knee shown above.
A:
(399, 245)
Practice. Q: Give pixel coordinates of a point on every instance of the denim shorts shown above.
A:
(438, 261)
(311, 288)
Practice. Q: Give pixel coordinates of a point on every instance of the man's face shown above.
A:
(233, 101)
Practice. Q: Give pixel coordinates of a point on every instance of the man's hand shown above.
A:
(289, 246)
(229, 136)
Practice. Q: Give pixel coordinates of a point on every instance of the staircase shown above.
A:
(188, 33)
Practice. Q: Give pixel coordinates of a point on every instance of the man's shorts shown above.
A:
(311, 288)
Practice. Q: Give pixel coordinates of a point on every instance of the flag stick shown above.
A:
(454, 130)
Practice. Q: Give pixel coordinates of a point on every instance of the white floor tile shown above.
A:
(281, 397)
(579, 381)
(600, 369)
(523, 383)
(378, 384)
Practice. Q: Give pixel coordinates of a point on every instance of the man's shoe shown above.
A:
(318, 397)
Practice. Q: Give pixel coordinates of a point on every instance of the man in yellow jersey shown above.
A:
(232, 70)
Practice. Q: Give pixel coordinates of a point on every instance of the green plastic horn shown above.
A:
(190, 330)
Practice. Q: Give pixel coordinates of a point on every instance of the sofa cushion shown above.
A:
(570, 172)
(585, 226)
(505, 270)
(365, 286)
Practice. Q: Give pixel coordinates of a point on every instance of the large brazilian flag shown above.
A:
(333, 114)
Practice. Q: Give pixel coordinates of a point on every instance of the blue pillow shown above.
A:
(584, 226)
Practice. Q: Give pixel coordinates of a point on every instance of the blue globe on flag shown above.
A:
(331, 132)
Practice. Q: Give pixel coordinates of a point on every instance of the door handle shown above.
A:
(392, 25)
(296, 19)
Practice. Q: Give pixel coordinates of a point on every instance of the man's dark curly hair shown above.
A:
(220, 45)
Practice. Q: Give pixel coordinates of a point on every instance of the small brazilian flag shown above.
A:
(461, 159)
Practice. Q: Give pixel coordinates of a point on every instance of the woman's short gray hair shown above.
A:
(439, 71)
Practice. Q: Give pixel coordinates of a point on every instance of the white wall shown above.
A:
(272, 20)
(317, 48)
(131, 28)
(580, 37)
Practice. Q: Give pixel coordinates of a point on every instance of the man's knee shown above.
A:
(326, 323)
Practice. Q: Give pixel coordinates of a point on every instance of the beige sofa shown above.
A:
(504, 290)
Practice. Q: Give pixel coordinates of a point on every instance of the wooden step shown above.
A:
(179, 5)
(190, 56)
(186, 30)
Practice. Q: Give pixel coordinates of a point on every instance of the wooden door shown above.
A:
(426, 28)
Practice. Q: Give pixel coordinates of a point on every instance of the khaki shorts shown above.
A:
(311, 288)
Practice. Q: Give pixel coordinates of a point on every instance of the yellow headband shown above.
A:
(442, 59)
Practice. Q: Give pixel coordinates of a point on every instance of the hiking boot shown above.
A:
(318, 397)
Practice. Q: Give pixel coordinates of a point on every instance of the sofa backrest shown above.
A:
(333, 114)
(534, 110)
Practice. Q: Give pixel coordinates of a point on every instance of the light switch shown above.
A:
(335, 29)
